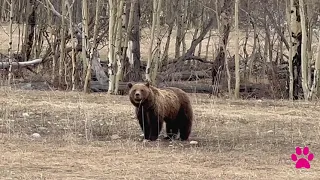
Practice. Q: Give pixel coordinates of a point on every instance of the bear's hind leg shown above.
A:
(184, 133)
(172, 130)
(155, 130)
(185, 123)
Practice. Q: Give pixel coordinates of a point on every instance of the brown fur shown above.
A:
(155, 106)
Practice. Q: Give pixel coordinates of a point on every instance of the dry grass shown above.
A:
(237, 139)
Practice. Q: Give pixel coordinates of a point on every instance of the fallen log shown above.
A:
(185, 86)
(183, 76)
(189, 88)
(189, 58)
(4, 65)
(96, 86)
(205, 88)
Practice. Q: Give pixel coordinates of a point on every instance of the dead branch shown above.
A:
(273, 21)
(77, 31)
(197, 58)
(195, 42)
(4, 65)
(183, 76)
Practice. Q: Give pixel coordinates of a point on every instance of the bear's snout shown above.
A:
(137, 95)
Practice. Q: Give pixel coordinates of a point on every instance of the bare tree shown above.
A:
(304, 79)
(157, 52)
(85, 43)
(115, 44)
(111, 53)
(132, 67)
(171, 19)
(179, 22)
(224, 25)
(155, 27)
(289, 6)
(152, 36)
(93, 46)
(30, 28)
(317, 71)
(118, 44)
(73, 58)
(63, 41)
(127, 46)
(296, 46)
(10, 43)
(237, 58)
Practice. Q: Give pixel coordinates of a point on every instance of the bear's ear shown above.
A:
(147, 84)
(129, 85)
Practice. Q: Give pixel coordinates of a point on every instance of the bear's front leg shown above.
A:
(146, 129)
(144, 124)
(156, 126)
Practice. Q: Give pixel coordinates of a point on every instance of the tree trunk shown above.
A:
(53, 37)
(135, 74)
(85, 44)
(157, 50)
(10, 76)
(304, 60)
(289, 6)
(317, 71)
(296, 47)
(164, 59)
(224, 25)
(208, 44)
(118, 44)
(111, 53)
(30, 29)
(184, 27)
(3, 10)
(155, 16)
(200, 24)
(94, 52)
(266, 51)
(62, 42)
(73, 58)
(179, 28)
(237, 58)
(254, 49)
(127, 56)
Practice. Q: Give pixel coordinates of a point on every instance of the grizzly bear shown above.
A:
(153, 106)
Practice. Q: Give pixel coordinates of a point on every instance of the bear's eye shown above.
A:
(142, 90)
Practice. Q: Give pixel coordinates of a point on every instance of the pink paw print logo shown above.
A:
(302, 162)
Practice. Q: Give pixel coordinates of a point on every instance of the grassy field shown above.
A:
(96, 136)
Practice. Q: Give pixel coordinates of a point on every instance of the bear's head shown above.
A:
(139, 92)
